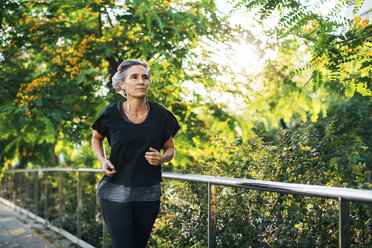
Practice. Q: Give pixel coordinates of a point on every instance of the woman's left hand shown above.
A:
(153, 157)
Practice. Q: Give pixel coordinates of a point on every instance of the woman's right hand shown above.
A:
(108, 168)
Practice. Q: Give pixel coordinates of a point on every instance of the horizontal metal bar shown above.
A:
(354, 195)
(56, 169)
(360, 195)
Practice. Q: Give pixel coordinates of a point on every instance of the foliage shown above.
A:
(316, 153)
(57, 60)
(340, 48)
(283, 95)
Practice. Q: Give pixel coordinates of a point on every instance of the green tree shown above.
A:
(58, 58)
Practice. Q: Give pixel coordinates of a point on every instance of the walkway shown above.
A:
(18, 231)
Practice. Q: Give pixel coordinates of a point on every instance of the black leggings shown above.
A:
(129, 224)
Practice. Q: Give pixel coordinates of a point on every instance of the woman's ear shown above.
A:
(122, 85)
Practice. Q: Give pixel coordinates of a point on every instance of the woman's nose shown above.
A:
(141, 81)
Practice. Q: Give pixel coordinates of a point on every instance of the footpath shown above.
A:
(18, 231)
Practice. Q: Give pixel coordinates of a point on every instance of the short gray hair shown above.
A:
(122, 72)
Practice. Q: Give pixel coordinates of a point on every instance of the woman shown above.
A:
(137, 130)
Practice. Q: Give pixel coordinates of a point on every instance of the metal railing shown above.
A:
(343, 195)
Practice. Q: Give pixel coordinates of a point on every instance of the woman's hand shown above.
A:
(108, 168)
(153, 157)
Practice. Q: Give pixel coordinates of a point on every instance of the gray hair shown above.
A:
(122, 72)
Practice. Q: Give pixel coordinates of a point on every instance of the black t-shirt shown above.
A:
(130, 141)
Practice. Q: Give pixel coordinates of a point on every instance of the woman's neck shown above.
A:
(135, 106)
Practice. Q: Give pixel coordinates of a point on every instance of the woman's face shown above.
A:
(136, 82)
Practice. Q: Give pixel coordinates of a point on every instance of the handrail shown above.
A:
(349, 194)
(354, 195)
(343, 195)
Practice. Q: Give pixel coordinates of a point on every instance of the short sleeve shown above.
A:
(171, 126)
(100, 126)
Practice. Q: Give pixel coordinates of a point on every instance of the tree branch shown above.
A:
(100, 23)
(108, 17)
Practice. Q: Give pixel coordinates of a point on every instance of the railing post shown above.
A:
(79, 205)
(19, 188)
(344, 223)
(36, 193)
(27, 191)
(46, 194)
(14, 188)
(2, 186)
(212, 216)
(10, 192)
(9, 181)
(21, 191)
(60, 194)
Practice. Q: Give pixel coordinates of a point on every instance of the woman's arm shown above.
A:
(155, 158)
(97, 146)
